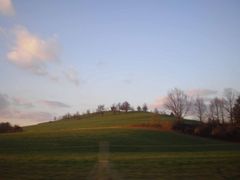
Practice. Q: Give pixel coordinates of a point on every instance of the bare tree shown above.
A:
(118, 106)
(145, 108)
(222, 110)
(88, 112)
(100, 109)
(139, 109)
(125, 106)
(178, 102)
(211, 111)
(114, 108)
(216, 104)
(230, 96)
(217, 109)
(236, 111)
(200, 108)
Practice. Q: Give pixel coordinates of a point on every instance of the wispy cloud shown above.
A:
(4, 101)
(159, 102)
(6, 8)
(24, 118)
(36, 116)
(54, 104)
(18, 101)
(16, 110)
(32, 53)
(201, 92)
(71, 75)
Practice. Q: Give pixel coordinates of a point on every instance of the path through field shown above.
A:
(103, 169)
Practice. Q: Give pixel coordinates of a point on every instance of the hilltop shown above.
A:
(100, 121)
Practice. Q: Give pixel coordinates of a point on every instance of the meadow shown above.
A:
(69, 149)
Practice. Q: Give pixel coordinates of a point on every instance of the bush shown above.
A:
(178, 126)
(202, 130)
(183, 127)
(219, 132)
(6, 127)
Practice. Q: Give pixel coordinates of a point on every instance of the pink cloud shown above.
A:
(32, 53)
(159, 102)
(54, 104)
(201, 92)
(18, 101)
(6, 8)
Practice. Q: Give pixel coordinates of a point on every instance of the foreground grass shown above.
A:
(183, 165)
(69, 150)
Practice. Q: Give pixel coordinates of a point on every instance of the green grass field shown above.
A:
(69, 149)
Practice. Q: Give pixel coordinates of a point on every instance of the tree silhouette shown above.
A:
(125, 106)
(236, 111)
(145, 108)
(230, 96)
(200, 108)
(100, 109)
(178, 103)
(139, 109)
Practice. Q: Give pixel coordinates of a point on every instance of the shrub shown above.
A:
(6, 127)
(183, 127)
(219, 132)
(202, 130)
(178, 126)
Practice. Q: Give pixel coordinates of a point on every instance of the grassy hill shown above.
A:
(69, 149)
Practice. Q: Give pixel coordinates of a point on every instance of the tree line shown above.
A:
(219, 117)
(6, 127)
(221, 110)
(114, 108)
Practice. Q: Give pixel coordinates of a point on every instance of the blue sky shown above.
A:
(67, 56)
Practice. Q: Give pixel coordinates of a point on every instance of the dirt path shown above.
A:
(103, 169)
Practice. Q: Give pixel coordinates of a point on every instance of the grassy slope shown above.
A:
(68, 149)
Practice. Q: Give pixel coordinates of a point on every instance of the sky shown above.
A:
(68, 56)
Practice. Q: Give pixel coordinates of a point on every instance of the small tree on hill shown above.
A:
(139, 109)
(113, 108)
(145, 108)
(100, 109)
(125, 106)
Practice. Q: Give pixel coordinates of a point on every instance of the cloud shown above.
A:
(10, 111)
(24, 118)
(71, 74)
(4, 101)
(54, 104)
(35, 116)
(159, 103)
(201, 92)
(18, 101)
(7, 102)
(6, 8)
(31, 52)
